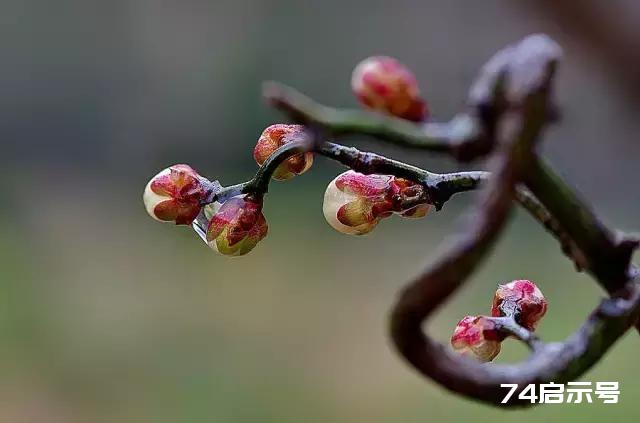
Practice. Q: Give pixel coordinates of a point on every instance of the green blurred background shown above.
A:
(108, 316)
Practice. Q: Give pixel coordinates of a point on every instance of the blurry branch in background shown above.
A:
(598, 27)
(508, 107)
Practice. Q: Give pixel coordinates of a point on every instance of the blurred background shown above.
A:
(109, 316)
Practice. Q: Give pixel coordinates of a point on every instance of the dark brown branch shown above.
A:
(515, 136)
(509, 103)
(606, 256)
(439, 188)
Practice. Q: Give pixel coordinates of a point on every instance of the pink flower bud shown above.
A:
(521, 299)
(236, 226)
(174, 195)
(274, 137)
(477, 337)
(355, 203)
(386, 85)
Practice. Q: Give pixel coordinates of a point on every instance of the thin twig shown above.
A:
(508, 326)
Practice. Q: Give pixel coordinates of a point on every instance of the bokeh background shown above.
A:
(108, 316)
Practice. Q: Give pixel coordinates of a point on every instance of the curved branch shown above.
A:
(509, 103)
(429, 290)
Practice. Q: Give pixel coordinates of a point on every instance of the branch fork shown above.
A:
(508, 107)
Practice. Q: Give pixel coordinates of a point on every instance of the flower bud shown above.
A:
(521, 299)
(236, 226)
(174, 195)
(355, 203)
(274, 137)
(477, 337)
(382, 83)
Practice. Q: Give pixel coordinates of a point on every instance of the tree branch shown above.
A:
(439, 137)
(507, 325)
(461, 139)
(509, 105)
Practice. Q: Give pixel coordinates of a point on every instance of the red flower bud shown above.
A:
(521, 299)
(477, 337)
(355, 203)
(274, 137)
(174, 195)
(386, 85)
(236, 226)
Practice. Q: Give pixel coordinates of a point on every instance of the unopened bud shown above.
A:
(521, 299)
(382, 83)
(236, 226)
(355, 203)
(477, 337)
(274, 137)
(174, 195)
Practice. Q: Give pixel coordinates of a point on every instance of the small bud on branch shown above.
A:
(522, 300)
(477, 337)
(274, 137)
(174, 195)
(236, 226)
(355, 203)
(384, 84)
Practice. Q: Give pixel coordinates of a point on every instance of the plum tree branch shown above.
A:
(508, 326)
(439, 188)
(446, 137)
(509, 105)
(461, 138)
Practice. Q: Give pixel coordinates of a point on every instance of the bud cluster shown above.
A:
(480, 336)
(355, 203)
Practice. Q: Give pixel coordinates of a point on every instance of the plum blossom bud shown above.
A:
(236, 226)
(382, 83)
(477, 337)
(174, 195)
(355, 203)
(274, 137)
(521, 299)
